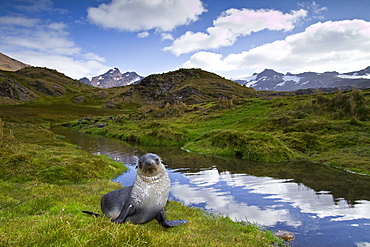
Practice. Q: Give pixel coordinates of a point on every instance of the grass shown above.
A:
(59, 222)
(325, 127)
(249, 145)
(46, 183)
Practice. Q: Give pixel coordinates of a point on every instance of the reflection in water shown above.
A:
(321, 205)
(218, 193)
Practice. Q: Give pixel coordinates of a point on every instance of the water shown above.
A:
(322, 206)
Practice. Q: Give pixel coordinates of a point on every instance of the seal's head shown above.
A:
(150, 165)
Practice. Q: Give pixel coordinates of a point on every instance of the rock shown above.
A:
(287, 236)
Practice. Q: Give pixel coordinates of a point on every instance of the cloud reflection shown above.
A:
(220, 201)
(264, 200)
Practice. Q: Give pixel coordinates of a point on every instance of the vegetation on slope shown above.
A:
(45, 183)
(42, 179)
(249, 145)
(329, 128)
(34, 84)
(187, 86)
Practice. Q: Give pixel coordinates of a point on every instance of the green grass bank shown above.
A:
(46, 183)
(332, 129)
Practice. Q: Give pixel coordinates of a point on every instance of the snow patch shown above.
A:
(354, 76)
(135, 80)
(292, 78)
(280, 84)
(362, 244)
(250, 83)
(304, 83)
(263, 78)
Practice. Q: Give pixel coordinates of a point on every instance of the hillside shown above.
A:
(189, 86)
(47, 85)
(10, 64)
(12, 91)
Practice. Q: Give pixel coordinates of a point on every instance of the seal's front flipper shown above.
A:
(127, 210)
(161, 218)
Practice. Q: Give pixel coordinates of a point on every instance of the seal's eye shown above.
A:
(157, 160)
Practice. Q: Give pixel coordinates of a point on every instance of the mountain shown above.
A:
(113, 78)
(44, 84)
(189, 86)
(10, 64)
(271, 80)
(176, 88)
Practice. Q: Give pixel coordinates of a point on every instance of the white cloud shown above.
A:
(167, 36)
(232, 24)
(141, 15)
(143, 34)
(93, 56)
(314, 9)
(46, 44)
(333, 45)
(17, 21)
(208, 61)
(74, 67)
(35, 6)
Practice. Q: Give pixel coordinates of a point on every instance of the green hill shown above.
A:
(35, 84)
(189, 86)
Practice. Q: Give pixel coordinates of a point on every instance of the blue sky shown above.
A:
(233, 38)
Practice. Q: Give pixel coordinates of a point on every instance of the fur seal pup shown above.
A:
(143, 201)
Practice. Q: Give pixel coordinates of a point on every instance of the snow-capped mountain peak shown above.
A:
(274, 81)
(113, 78)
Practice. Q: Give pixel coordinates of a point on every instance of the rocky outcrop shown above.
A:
(11, 89)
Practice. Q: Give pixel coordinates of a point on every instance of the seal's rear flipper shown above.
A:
(127, 210)
(172, 223)
(161, 218)
(91, 213)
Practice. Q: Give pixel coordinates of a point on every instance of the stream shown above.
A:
(322, 206)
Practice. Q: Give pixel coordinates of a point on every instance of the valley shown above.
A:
(42, 176)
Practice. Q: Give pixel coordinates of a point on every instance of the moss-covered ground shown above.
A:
(46, 183)
(327, 128)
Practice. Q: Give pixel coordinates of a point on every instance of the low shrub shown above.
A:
(249, 145)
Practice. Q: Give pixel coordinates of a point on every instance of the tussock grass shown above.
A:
(250, 145)
(46, 183)
(51, 162)
(354, 158)
(286, 128)
(50, 215)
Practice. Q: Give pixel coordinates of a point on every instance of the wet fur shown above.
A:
(143, 201)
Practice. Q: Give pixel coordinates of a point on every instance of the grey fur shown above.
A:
(146, 199)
